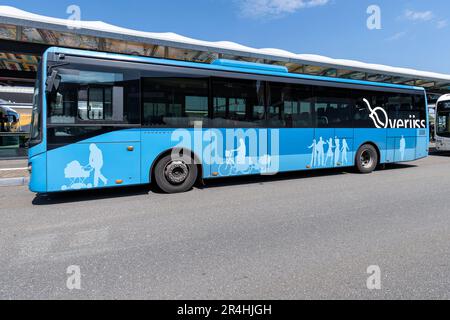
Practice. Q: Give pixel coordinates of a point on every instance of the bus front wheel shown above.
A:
(366, 159)
(175, 174)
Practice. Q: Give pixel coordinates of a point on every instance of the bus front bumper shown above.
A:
(37, 167)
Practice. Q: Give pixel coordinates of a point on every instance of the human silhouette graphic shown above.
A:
(337, 152)
(330, 153)
(402, 148)
(240, 152)
(238, 160)
(313, 148)
(320, 152)
(96, 163)
(344, 150)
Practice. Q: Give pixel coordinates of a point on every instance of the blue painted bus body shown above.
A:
(68, 167)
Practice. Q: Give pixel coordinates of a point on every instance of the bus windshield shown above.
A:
(36, 134)
(443, 119)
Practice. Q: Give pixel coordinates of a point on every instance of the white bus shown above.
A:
(442, 126)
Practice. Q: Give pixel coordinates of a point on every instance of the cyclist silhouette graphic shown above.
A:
(237, 162)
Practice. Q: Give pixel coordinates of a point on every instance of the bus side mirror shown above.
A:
(53, 82)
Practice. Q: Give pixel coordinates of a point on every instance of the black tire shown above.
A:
(366, 159)
(175, 174)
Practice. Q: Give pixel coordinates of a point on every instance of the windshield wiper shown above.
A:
(54, 79)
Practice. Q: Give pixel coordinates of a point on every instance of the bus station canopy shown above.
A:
(24, 36)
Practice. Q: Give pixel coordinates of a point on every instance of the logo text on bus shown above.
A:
(381, 119)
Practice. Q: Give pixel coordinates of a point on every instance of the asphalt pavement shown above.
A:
(291, 236)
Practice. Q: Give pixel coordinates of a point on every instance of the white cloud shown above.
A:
(275, 8)
(397, 36)
(441, 24)
(425, 16)
(418, 15)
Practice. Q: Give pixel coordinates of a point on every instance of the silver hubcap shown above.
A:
(366, 159)
(176, 172)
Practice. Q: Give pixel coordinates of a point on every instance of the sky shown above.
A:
(408, 33)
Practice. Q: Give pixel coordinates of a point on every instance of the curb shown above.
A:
(14, 182)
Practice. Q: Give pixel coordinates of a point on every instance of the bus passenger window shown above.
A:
(172, 102)
(97, 104)
(290, 105)
(333, 107)
(238, 103)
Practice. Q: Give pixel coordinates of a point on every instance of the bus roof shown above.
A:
(445, 97)
(225, 65)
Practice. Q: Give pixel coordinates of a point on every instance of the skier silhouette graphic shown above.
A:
(96, 163)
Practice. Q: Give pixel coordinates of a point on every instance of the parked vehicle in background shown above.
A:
(442, 127)
(15, 117)
(15, 120)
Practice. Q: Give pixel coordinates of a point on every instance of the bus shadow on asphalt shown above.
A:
(129, 191)
(89, 195)
(440, 154)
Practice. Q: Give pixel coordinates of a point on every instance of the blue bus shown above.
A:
(105, 120)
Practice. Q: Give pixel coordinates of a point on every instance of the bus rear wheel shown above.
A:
(366, 159)
(175, 174)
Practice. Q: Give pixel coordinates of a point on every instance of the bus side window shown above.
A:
(290, 105)
(98, 104)
(174, 102)
(361, 111)
(333, 107)
(361, 115)
(238, 103)
(83, 104)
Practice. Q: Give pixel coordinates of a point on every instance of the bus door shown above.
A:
(324, 154)
(324, 135)
(93, 133)
(401, 144)
(334, 147)
(291, 117)
(293, 147)
(334, 134)
(406, 143)
(106, 160)
(344, 153)
(239, 112)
